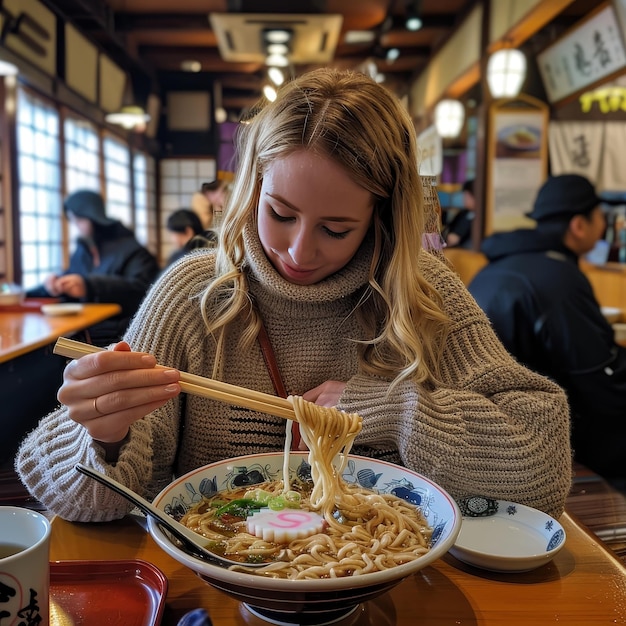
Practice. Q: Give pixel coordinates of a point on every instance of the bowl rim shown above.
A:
(371, 579)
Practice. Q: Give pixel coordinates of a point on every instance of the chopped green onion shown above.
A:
(292, 499)
(277, 503)
(239, 508)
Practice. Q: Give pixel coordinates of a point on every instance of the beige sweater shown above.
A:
(494, 428)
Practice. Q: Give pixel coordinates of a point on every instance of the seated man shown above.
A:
(544, 310)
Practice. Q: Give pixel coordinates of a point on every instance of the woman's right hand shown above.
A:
(107, 391)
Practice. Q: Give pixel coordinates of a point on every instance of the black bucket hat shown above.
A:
(564, 196)
(88, 204)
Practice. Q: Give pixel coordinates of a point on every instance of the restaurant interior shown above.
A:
(140, 100)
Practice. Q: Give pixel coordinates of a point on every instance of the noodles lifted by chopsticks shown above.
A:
(366, 531)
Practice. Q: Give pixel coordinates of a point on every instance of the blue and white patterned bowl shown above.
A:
(303, 602)
(503, 536)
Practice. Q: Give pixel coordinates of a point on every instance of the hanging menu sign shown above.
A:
(584, 56)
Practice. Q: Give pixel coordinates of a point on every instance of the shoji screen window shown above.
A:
(39, 174)
(82, 155)
(180, 179)
(118, 181)
(145, 201)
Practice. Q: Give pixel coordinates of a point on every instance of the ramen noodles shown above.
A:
(363, 532)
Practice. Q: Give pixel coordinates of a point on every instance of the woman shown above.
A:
(107, 265)
(187, 234)
(321, 244)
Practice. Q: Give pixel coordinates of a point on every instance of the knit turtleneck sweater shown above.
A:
(492, 428)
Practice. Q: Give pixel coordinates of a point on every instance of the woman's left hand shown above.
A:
(326, 394)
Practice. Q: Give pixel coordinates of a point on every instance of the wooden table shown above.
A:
(24, 331)
(585, 584)
(30, 375)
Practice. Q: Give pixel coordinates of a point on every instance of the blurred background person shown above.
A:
(209, 201)
(458, 232)
(187, 234)
(107, 265)
(544, 310)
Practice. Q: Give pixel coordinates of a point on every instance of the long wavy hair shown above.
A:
(359, 124)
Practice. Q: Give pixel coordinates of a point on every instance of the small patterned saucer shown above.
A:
(504, 536)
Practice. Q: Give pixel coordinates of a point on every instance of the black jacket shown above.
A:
(125, 273)
(544, 311)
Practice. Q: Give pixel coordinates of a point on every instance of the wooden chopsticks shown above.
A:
(199, 385)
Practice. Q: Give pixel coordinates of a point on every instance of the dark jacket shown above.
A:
(125, 273)
(206, 239)
(544, 311)
(461, 225)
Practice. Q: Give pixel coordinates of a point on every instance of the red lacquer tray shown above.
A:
(106, 593)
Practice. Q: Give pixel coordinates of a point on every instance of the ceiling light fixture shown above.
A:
(506, 71)
(130, 117)
(277, 35)
(276, 60)
(276, 42)
(277, 48)
(413, 20)
(276, 75)
(359, 36)
(269, 92)
(449, 118)
(190, 65)
(393, 54)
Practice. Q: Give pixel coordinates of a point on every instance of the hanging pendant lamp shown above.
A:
(506, 71)
(449, 118)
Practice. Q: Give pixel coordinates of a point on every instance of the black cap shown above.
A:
(564, 196)
(88, 204)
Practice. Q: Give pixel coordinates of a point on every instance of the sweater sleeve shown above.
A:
(491, 428)
(46, 460)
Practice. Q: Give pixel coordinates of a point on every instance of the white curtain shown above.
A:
(613, 172)
(593, 149)
(576, 148)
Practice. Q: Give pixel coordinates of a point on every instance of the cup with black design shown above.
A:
(24, 567)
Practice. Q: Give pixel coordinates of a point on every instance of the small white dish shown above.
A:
(503, 536)
(612, 314)
(619, 331)
(62, 308)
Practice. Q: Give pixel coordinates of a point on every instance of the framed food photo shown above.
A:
(518, 161)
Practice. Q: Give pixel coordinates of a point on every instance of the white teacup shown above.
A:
(24, 567)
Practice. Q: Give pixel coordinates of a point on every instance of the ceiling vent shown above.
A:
(240, 36)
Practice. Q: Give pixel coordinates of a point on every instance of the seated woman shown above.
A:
(187, 233)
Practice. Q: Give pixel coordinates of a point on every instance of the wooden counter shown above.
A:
(24, 331)
(583, 584)
(30, 374)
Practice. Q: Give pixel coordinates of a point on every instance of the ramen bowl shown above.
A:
(307, 602)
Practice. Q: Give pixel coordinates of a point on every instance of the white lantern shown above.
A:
(506, 71)
(449, 117)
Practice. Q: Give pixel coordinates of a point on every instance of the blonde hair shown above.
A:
(354, 121)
